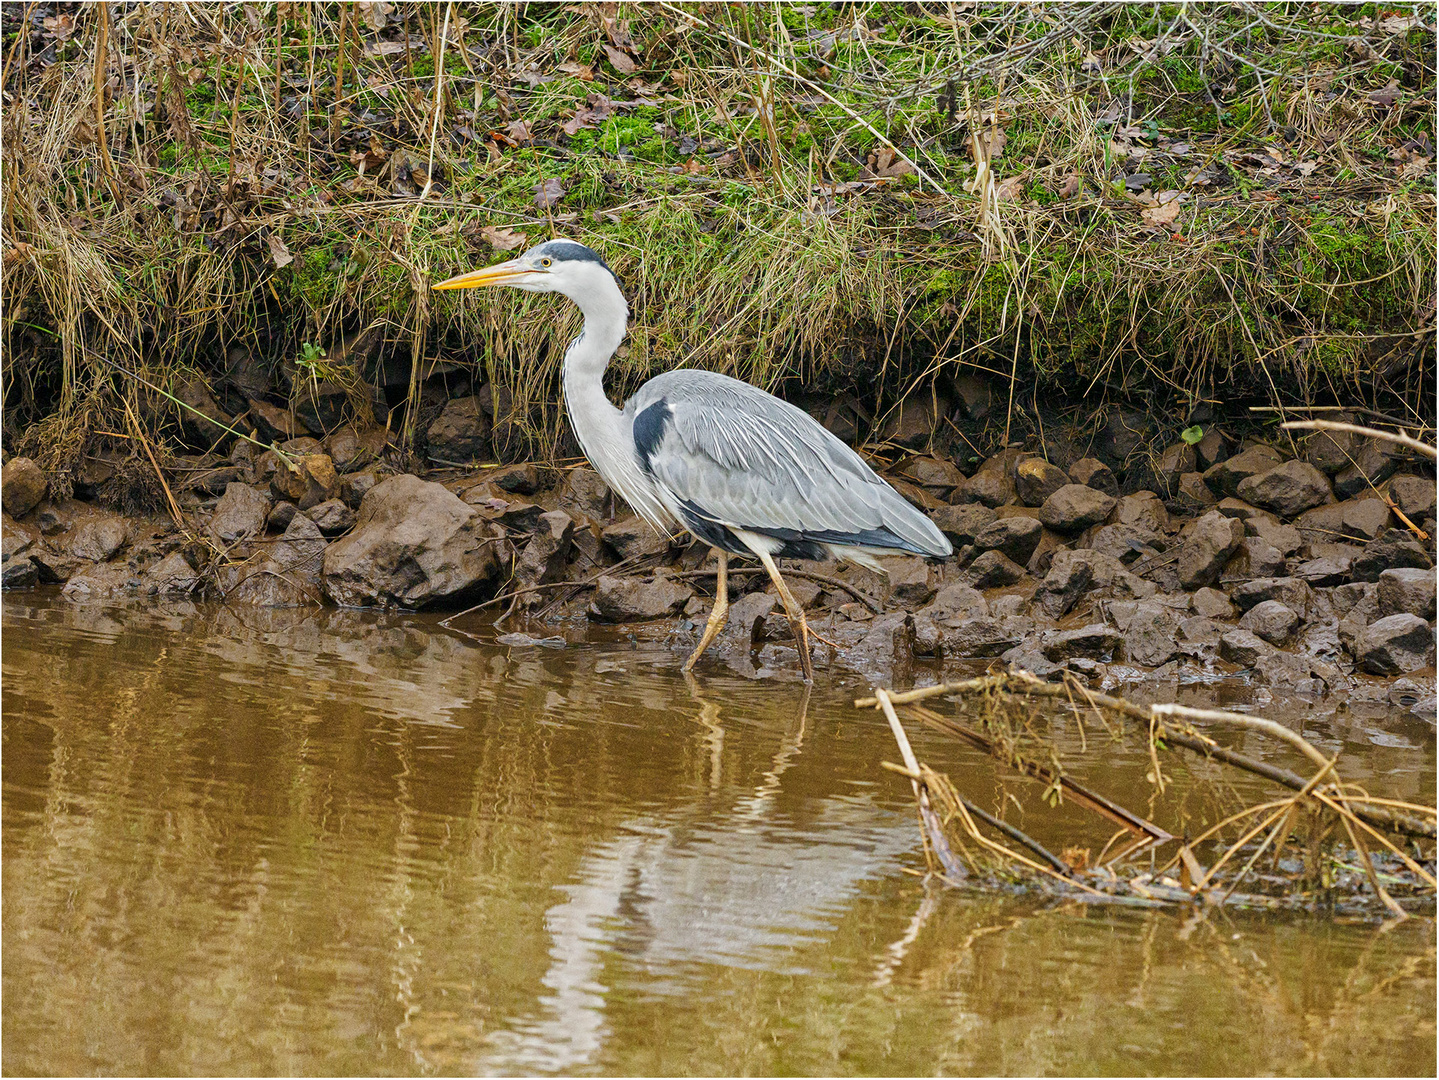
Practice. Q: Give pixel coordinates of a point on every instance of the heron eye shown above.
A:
(546, 261)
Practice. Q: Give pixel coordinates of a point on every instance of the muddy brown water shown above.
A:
(346, 842)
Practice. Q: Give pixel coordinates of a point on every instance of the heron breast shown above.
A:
(649, 431)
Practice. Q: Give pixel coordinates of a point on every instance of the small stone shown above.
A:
(241, 513)
(1213, 604)
(1096, 641)
(956, 602)
(543, 559)
(1396, 644)
(1206, 547)
(19, 572)
(1374, 462)
(638, 599)
(935, 475)
(525, 479)
(1289, 591)
(1286, 539)
(911, 580)
(461, 433)
(986, 487)
(1254, 558)
(1271, 620)
(1144, 509)
(1035, 480)
(1287, 489)
(22, 486)
(1151, 636)
(584, 491)
(982, 636)
(1343, 598)
(992, 570)
(1198, 632)
(1368, 518)
(281, 514)
(1075, 507)
(1323, 572)
(1406, 591)
(1414, 495)
(1331, 451)
(171, 576)
(1014, 537)
(633, 537)
(332, 517)
(1091, 472)
(1174, 462)
(1128, 543)
(1238, 508)
(98, 539)
(312, 481)
(1224, 477)
(961, 524)
(1242, 647)
(1211, 449)
(1392, 551)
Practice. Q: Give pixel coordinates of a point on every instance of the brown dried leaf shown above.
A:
(278, 251)
(1387, 96)
(885, 162)
(1165, 209)
(1070, 187)
(621, 61)
(596, 112)
(519, 133)
(548, 193)
(988, 144)
(502, 239)
(1010, 188)
(583, 72)
(62, 26)
(373, 12)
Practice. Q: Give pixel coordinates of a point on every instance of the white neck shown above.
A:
(604, 432)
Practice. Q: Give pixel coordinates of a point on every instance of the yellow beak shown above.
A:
(505, 273)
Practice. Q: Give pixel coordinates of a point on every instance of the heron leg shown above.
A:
(719, 613)
(795, 613)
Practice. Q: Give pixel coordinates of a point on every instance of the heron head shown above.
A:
(561, 266)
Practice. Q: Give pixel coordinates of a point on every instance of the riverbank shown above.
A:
(1312, 574)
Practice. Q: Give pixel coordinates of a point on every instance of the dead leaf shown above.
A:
(885, 162)
(373, 13)
(384, 48)
(62, 26)
(278, 251)
(1160, 214)
(1387, 96)
(583, 72)
(618, 31)
(502, 239)
(519, 133)
(694, 166)
(1010, 188)
(621, 61)
(548, 193)
(1070, 187)
(989, 144)
(1398, 24)
(21, 252)
(596, 112)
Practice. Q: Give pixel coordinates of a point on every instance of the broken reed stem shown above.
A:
(933, 827)
(1373, 433)
(1022, 683)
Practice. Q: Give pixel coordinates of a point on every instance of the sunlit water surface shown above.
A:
(337, 842)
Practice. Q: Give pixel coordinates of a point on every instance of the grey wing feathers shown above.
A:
(750, 461)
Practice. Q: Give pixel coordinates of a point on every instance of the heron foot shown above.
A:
(718, 614)
(795, 614)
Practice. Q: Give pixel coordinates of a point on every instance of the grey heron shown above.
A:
(736, 467)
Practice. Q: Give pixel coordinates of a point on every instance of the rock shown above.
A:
(1192, 493)
(1013, 537)
(543, 558)
(19, 572)
(1091, 472)
(634, 538)
(351, 448)
(993, 570)
(171, 576)
(913, 493)
(1396, 645)
(414, 544)
(22, 486)
(1206, 547)
(1271, 620)
(935, 475)
(98, 539)
(331, 517)
(987, 487)
(1289, 591)
(1128, 543)
(620, 599)
(982, 636)
(1405, 591)
(461, 433)
(1174, 462)
(1025, 658)
(912, 424)
(745, 625)
(359, 484)
(300, 552)
(1343, 598)
(272, 422)
(1365, 518)
(584, 492)
(1197, 634)
(1035, 480)
(239, 515)
(1213, 604)
(1125, 431)
(101, 581)
(1211, 449)
(1331, 451)
(1238, 508)
(1327, 571)
(523, 479)
(1224, 477)
(1144, 509)
(1095, 642)
(889, 640)
(1151, 636)
(1287, 489)
(208, 429)
(1285, 539)
(1414, 495)
(1254, 558)
(956, 602)
(313, 481)
(265, 582)
(1072, 574)
(911, 580)
(962, 524)
(1242, 647)
(1075, 507)
(1374, 462)
(1392, 551)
